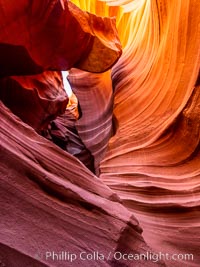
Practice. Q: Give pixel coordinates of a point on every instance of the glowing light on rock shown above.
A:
(66, 84)
(132, 119)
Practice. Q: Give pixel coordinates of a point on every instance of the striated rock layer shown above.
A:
(50, 202)
(95, 95)
(148, 103)
(153, 161)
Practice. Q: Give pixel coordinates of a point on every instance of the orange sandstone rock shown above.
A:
(36, 99)
(54, 35)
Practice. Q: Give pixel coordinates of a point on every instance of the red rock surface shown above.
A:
(51, 202)
(36, 99)
(96, 103)
(152, 161)
(139, 122)
(37, 36)
(62, 131)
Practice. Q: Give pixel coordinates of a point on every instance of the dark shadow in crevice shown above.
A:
(63, 133)
(15, 60)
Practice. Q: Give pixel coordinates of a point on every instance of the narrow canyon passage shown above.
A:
(107, 174)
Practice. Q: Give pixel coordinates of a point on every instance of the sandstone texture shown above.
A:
(114, 168)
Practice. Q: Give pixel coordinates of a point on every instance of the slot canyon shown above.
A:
(107, 173)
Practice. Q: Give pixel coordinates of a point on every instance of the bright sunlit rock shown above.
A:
(66, 83)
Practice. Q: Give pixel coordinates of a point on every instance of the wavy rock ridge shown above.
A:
(152, 161)
(138, 130)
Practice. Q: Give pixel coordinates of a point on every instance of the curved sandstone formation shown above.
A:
(152, 161)
(51, 203)
(36, 99)
(95, 97)
(48, 35)
(138, 130)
